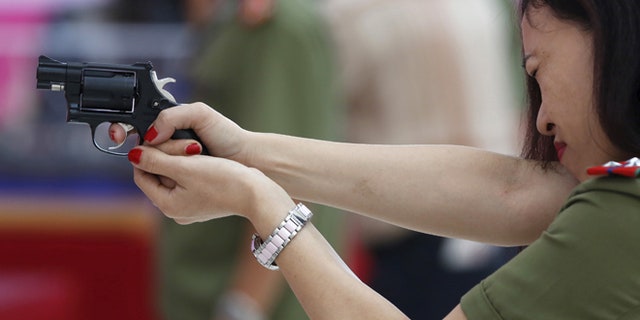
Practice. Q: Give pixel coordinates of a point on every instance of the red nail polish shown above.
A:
(193, 149)
(134, 155)
(152, 133)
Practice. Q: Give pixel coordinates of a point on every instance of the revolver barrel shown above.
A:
(52, 74)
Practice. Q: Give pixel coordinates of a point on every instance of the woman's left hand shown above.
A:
(204, 187)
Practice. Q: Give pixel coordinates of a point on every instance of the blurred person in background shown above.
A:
(269, 66)
(410, 70)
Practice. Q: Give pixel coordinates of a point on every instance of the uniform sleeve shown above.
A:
(583, 267)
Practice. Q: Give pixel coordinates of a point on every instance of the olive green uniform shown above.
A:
(586, 265)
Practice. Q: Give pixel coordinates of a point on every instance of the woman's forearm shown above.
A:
(449, 190)
(321, 281)
(325, 286)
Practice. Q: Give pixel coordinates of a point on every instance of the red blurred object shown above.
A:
(33, 296)
(70, 259)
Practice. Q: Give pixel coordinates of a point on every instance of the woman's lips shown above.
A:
(560, 147)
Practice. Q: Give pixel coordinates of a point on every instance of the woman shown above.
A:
(580, 263)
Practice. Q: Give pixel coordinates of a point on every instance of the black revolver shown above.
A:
(102, 94)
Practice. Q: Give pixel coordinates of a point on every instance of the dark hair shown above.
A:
(615, 25)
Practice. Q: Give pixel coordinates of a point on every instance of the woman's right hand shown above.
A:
(197, 188)
(221, 136)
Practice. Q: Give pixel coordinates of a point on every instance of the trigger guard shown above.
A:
(127, 128)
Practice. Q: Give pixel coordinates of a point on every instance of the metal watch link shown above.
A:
(268, 250)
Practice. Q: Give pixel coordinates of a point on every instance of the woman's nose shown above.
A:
(544, 124)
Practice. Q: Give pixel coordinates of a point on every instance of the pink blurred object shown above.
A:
(22, 25)
(38, 296)
(20, 32)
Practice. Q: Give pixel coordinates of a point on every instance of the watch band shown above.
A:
(268, 250)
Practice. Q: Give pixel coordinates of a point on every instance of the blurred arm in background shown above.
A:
(425, 72)
(269, 66)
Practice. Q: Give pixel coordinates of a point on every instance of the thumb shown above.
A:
(154, 161)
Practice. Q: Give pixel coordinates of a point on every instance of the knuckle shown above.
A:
(149, 161)
(203, 109)
(163, 116)
(182, 221)
(200, 105)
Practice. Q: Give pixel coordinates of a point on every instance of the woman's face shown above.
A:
(559, 54)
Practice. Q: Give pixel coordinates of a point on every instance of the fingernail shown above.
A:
(193, 148)
(152, 133)
(134, 155)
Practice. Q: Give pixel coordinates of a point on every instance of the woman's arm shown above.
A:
(324, 285)
(446, 190)
(456, 314)
(207, 187)
(438, 189)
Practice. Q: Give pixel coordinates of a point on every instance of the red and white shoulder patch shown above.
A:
(629, 168)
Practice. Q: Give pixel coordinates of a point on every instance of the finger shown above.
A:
(180, 147)
(167, 182)
(186, 116)
(184, 221)
(151, 186)
(155, 162)
(117, 133)
(156, 188)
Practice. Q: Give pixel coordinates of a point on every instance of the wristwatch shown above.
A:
(268, 250)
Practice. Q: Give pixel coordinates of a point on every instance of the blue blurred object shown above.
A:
(40, 153)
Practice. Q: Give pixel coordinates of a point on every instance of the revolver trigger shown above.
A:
(160, 83)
